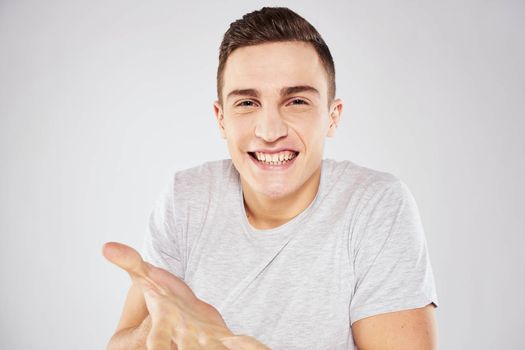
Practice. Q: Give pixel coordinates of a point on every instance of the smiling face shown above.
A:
(275, 116)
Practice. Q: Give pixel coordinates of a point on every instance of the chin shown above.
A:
(275, 191)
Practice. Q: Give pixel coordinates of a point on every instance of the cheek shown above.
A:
(238, 127)
(237, 138)
(310, 129)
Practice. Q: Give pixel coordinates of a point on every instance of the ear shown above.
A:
(335, 116)
(217, 109)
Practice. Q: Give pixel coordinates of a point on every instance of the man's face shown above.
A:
(275, 115)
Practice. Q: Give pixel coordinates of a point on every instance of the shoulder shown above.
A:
(366, 193)
(195, 189)
(204, 171)
(201, 179)
(191, 191)
(358, 179)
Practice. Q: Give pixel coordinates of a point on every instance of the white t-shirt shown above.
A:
(358, 250)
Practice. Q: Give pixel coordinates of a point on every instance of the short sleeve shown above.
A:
(161, 244)
(391, 262)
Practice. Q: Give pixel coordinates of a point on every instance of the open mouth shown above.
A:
(275, 159)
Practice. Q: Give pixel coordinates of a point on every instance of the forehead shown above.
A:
(271, 66)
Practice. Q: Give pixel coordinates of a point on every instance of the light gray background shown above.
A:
(100, 101)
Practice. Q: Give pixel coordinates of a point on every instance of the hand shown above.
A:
(177, 315)
(243, 342)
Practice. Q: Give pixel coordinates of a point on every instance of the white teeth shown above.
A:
(275, 158)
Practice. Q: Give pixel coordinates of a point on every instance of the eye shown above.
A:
(246, 103)
(298, 101)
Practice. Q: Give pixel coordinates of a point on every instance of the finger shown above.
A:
(159, 338)
(231, 343)
(130, 260)
(240, 342)
(214, 344)
(161, 333)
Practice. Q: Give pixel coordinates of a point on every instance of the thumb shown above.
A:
(124, 257)
(130, 260)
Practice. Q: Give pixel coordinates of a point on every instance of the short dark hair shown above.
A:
(273, 24)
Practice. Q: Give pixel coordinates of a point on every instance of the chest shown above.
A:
(300, 286)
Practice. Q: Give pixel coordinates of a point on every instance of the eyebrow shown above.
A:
(285, 91)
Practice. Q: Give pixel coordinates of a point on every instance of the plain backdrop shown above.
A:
(101, 101)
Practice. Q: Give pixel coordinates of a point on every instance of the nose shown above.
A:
(270, 125)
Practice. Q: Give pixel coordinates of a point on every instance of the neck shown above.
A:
(266, 212)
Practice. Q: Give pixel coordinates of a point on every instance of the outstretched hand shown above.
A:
(177, 315)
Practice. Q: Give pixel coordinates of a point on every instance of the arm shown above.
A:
(393, 303)
(413, 329)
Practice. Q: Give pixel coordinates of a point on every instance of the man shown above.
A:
(278, 248)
